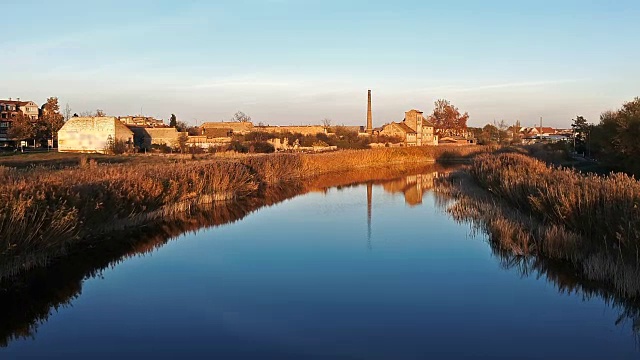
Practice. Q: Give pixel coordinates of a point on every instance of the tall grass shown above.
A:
(45, 210)
(604, 210)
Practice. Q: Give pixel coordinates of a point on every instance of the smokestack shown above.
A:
(369, 120)
(540, 123)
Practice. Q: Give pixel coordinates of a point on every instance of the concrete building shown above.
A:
(414, 129)
(92, 134)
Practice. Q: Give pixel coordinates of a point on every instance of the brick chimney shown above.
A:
(369, 120)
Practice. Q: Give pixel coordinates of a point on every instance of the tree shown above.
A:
(326, 123)
(181, 126)
(241, 117)
(490, 134)
(96, 113)
(502, 127)
(614, 141)
(182, 141)
(47, 126)
(447, 119)
(67, 112)
(580, 131)
(173, 122)
(194, 131)
(21, 128)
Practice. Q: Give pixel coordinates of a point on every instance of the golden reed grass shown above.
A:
(46, 210)
(604, 210)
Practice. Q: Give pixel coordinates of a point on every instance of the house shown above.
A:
(414, 129)
(92, 134)
(10, 109)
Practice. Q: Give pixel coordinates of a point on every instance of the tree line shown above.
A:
(614, 141)
(43, 129)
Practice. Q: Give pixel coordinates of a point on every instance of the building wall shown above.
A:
(163, 136)
(428, 135)
(413, 119)
(10, 109)
(392, 130)
(303, 129)
(30, 109)
(91, 134)
(238, 127)
(141, 120)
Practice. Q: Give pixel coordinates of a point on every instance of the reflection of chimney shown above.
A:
(369, 198)
(369, 120)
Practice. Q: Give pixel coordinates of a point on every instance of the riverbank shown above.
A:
(27, 296)
(47, 211)
(531, 210)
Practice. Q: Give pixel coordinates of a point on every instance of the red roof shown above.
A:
(14, 102)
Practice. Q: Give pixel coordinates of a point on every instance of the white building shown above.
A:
(92, 134)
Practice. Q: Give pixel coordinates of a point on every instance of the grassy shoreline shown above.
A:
(46, 211)
(537, 213)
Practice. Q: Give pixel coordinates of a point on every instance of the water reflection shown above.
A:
(609, 276)
(29, 299)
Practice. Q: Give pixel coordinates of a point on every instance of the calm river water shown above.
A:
(377, 271)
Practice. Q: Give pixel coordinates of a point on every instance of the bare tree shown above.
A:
(326, 122)
(241, 117)
(67, 112)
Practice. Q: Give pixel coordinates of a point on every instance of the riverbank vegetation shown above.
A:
(45, 211)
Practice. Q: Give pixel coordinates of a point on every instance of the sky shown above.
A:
(298, 62)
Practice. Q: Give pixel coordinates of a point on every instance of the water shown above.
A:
(377, 271)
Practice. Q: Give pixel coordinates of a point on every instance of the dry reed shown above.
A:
(44, 210)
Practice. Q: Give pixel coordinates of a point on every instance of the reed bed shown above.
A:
(604, 210)
(45, 210)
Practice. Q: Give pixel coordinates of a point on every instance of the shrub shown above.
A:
(237, 146)
(262, 147)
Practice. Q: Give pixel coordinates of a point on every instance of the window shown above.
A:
(4, 115)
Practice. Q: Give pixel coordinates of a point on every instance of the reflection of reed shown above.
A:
(532, 248)
(27, 299)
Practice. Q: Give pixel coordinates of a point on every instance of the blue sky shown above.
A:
(292, 62)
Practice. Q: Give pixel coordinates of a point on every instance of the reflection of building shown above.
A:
(412, 186)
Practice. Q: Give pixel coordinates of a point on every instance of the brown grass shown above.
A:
(45, 210)
(605, 210)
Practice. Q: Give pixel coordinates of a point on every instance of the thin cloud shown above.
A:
(510, 85)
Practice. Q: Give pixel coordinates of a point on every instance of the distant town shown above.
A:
(24, 124)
